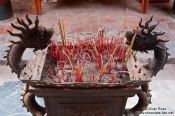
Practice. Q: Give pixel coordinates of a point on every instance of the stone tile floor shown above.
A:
(89, 17)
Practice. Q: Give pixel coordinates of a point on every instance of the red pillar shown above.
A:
(38, 8)
(144, 6)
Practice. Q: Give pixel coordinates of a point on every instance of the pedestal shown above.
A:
(85, 102)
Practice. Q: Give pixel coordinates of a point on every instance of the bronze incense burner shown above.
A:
(92, 77)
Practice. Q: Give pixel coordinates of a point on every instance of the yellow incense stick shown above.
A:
(62, 32)
(130, 48)
(124, 28)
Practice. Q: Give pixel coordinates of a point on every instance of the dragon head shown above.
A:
(36, 37)
(145, 37)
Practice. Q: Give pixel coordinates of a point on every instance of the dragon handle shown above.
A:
(14, 61)
(36, 37)
(145, 40)
(143, 102)
(31, 104)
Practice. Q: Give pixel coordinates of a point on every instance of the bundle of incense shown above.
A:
(62, 32)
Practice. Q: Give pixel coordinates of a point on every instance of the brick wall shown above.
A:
(22, 4)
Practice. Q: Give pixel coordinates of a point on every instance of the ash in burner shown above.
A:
(91, 61)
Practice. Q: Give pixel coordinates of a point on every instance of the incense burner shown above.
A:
(92, 77)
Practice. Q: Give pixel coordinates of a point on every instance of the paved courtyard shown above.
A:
(88, 17)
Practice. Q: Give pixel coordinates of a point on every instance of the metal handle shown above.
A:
(32, 106)
(143, 102)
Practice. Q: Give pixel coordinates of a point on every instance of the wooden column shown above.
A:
(144, 6)
(174, 7)
(38, 9)
(3, 1)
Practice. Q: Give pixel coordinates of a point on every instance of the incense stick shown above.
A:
(124, 28)
(130, 48)
(62, 32)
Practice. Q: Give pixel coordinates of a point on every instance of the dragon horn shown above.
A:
(28, 20)
(36, 22)
(163, 40)
(21, 22)
(18, 28)
(152, 27)
(140, 23)
(141, 26)
(159, 33)
(147, 23)
(14, 34)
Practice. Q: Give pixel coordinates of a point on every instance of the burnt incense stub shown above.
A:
(105, 71)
